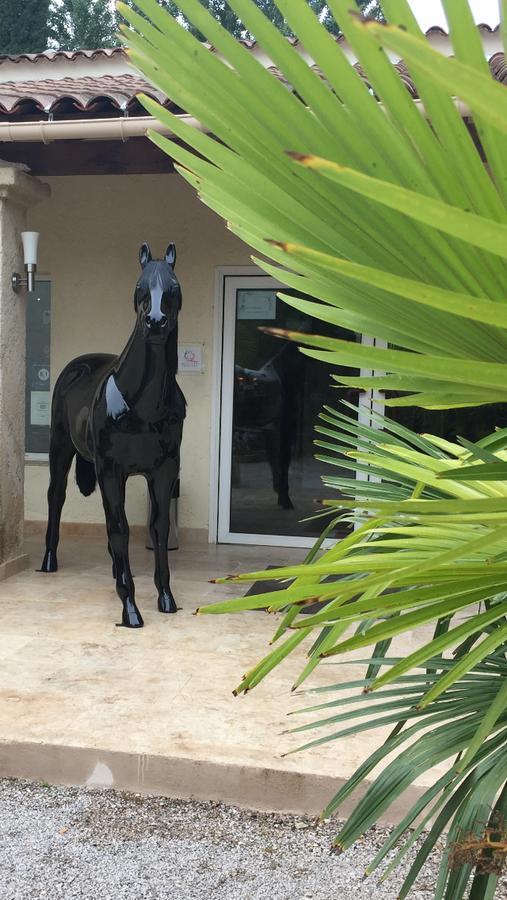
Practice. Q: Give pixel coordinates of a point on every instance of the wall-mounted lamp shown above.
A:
(30, 241)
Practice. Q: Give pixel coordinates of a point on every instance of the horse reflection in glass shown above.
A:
(119, 416)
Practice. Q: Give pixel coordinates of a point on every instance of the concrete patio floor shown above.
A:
(85, 703)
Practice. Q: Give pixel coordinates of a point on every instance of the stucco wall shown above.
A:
(91, 230)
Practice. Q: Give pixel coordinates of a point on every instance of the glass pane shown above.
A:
(278, 393)
(38, 342)
(472, 423)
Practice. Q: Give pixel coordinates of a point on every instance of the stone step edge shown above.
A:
(247, 786)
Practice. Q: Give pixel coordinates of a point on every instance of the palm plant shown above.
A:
(382, 209)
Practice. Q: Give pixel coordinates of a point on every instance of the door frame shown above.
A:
(221, 275)
(220, 455)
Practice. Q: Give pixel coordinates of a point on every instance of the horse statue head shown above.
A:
(157, 297)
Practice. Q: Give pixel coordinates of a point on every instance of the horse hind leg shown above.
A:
(61, 453)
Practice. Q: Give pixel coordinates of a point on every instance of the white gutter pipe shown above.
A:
(86, 129)
(113, 129)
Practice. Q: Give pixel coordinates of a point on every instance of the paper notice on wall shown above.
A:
(256, 304)
(190, 358)
(39, 408)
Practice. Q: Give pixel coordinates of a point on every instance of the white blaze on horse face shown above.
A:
(116, 406)
(156, 293)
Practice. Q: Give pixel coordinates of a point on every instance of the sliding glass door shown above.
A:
(271, 397)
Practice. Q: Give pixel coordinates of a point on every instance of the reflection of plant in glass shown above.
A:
(382, 210)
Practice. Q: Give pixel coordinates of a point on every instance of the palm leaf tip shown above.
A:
(121, 8)
(281, 333)
(336, 847)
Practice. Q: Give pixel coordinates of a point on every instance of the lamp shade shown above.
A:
(30, 241)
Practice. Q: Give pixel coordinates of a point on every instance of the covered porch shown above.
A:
(81, 701)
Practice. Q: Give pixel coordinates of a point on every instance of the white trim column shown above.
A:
(18, 191)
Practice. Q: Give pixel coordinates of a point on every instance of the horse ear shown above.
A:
(170, 255)
(144, 255)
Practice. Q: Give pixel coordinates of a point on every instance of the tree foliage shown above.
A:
(23, 26)
(222, 12)
(30, 26)
(82, 25)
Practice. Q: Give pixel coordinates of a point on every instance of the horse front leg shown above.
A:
(161, 485)
(112, 488)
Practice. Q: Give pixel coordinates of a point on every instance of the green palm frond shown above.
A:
(462, 795)
(368, 215)
(410, 563)
(382, 211)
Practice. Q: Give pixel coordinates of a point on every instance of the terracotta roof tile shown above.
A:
(497, 65)
(48, 94)
(61, 54)
(482, 26)
(108, 94)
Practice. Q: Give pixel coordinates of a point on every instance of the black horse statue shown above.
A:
(123, 415)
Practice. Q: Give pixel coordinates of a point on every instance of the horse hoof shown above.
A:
(285, 502)
(167, 603)
(131, 617)
(49, 563)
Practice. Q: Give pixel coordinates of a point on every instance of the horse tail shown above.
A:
(86, 476)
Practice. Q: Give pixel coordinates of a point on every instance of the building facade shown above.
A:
(77, 168)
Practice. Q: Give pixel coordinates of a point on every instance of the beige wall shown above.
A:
(91, 230)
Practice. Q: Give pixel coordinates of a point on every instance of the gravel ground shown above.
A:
(73, 843)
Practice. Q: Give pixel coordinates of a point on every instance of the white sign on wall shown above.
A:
(39, 408)
(190, 358)
(256, 304)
